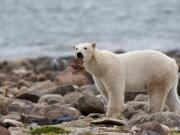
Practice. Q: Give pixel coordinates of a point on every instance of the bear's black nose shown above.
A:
(79, 55)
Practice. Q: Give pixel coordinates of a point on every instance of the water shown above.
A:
(31, 28)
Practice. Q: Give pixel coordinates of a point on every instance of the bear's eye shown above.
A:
(76, 49)
(85, 48)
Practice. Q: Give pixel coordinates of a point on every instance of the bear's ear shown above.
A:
(94, 45)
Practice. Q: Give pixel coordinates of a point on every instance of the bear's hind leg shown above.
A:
(173, 101)
(157, 98)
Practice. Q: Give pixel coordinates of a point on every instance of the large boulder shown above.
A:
(90, 104)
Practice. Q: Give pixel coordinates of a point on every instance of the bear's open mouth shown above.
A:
(77, 65)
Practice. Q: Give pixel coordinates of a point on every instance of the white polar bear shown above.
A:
(134, 72)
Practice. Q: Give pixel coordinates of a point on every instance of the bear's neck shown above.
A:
(96, 64)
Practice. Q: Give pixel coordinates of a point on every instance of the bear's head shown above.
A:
(84, 51)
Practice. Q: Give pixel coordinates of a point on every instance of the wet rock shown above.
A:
(90, 89)
(4, 131)
(141, 97)
(64, 118)
(40, 120)
(169, 119)
(69, 77)
(30, 95)
(90, 104)
(51, 99)
(63, 90)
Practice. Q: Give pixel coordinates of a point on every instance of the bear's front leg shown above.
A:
(116, 99)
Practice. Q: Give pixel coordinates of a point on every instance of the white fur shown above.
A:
(136, 71)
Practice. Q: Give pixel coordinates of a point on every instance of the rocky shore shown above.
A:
(45, 96)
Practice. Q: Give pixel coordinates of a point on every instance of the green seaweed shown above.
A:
(49, 130)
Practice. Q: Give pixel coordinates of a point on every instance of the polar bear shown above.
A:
(136, 71)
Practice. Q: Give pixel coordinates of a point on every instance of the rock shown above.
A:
(19, 131)
(3, 104)
(68, 77)
(135, 108)
(109, 121)
(64, 118)
(18, 105)
(29, 95)
(141, 97)
(90, 104)
(13, 116)
(129, 96)
(153, 127)
(72, 97)
(51, 99)
(4, 131)
(90, 88)
(12, 123)
(169, 119)
(63, 90)
(40, 120)
(56, 111)
(45, 87)
(82, 123)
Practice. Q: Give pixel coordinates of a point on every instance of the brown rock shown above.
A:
(68, 77)
(4, 131)
(72, 97)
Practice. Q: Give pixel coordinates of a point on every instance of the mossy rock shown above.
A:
(49, 130)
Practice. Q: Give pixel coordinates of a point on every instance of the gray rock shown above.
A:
(18, 105)
(90, 104)
(29, 95)
(90, 88)
(63, 90)
(169, 119)
(51, 99)
(35, 119)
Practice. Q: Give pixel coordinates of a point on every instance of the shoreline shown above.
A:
(36, 92)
